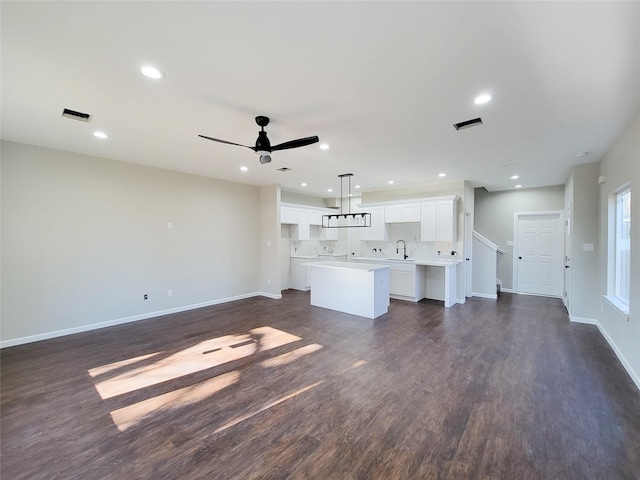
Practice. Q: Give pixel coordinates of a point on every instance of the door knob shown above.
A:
(566, 266)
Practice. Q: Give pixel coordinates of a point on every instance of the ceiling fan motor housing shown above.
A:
(263, 145)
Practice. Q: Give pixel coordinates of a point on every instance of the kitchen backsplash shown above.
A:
(416, 249)
(409, 232)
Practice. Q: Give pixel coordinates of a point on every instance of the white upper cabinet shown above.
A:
(439, 220)
(393, 214)
(302, 219)
(428, 221)
(402, 213)
(447, 221)
(288, 215)
(301, 231)
(315, 217)
(411, 212)
(378, 229)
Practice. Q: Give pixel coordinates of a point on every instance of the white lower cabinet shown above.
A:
(300, 278)
(404, 282)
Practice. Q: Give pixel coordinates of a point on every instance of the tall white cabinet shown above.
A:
(439, 220)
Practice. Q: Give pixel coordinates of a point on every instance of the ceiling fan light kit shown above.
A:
(263, 146)
(348, 219)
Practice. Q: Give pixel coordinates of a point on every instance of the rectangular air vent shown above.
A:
(467, 124)
(72, 114)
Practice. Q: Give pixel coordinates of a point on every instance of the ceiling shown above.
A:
(382, 83)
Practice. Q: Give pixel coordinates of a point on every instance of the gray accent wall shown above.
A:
(582, 194)
(85, 238)
(494, 213)
(621, 166)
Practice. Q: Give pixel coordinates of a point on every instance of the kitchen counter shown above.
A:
(434, 278)
(431, 262)
(356, 288)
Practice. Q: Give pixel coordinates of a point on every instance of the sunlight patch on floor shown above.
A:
(94, 372)
(292, 356)
(207, 354)
(131, 415)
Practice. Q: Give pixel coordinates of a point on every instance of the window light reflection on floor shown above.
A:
(204, 355)
(137, 373)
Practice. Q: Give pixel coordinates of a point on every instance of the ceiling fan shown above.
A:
(263, 147)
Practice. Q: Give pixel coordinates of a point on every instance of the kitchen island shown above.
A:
(414, 280)
(357, 288)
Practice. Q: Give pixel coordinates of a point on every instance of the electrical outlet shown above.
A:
(169, 293)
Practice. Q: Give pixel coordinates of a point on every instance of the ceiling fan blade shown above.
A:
(224, 141)
(301, 142)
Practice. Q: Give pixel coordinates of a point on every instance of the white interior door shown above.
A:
(539, 254)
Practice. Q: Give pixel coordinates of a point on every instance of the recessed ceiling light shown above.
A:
(100, 135)
(303, 184)
(482, 98)
(357, 186)
(330, 190)
(515, 177)
(152, 72)
(518, 186)
(244, 169)
(391, 182)
(324, 146)
(442, 175)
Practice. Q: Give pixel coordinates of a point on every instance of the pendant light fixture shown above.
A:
(346, 219)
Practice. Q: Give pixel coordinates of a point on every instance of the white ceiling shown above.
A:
(381, 82)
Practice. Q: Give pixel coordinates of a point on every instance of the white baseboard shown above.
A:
(133, 318)
(627, 366)
(461, 301)
(588, 321)
(491, 296)
(506, 290)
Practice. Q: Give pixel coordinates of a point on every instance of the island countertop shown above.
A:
(370, 267)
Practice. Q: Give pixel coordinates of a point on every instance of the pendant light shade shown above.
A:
(346, 219)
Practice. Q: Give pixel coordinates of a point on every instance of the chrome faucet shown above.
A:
(404, 246)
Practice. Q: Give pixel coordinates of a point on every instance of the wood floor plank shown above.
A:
(277, 389)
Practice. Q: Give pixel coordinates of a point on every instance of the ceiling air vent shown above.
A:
(467, 124)
(73, 115)
(285, 169)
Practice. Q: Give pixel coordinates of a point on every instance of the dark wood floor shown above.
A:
(276, 389)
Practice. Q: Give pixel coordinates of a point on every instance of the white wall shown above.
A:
(270, 275)
(84, 238)
(493, 218)
(620, 166)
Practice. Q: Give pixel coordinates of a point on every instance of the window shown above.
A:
(622, 241)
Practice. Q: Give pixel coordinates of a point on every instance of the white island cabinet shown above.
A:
(356, 288)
